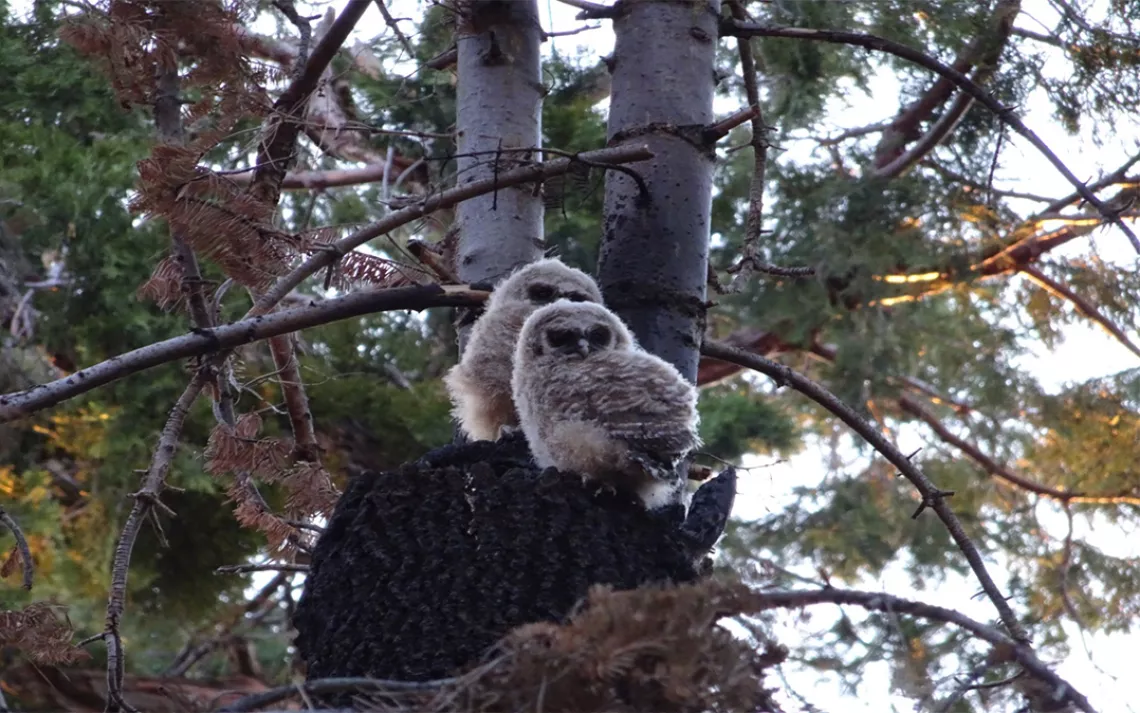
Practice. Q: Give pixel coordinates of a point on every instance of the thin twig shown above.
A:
(932, 497)
(523, 174)
(324, 686)
(26, 565)
(145, 499)
(229, 336)
(1006, 648)
(273, 567)
(881, 44)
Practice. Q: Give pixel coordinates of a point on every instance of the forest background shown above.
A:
(1015, 375)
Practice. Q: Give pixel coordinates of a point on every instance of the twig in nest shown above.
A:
(932, 497)
(325, 686)
(246, 568)
(25, 553)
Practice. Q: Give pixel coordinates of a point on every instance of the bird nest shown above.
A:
(423, 570)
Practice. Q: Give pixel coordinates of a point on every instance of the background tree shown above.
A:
(889, 261)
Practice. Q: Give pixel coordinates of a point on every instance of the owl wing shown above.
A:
(652, 410)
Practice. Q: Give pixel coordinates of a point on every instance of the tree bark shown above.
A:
(499, 106)
(653, 263)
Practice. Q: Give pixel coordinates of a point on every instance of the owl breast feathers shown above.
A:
(591, 402)
(480, 385)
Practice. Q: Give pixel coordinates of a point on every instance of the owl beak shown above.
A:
(583, 347)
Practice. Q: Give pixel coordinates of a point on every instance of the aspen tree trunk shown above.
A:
(499, 106)
(653, 263)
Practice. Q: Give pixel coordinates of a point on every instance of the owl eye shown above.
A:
(599, 336)
(576, 297)
(559, 338)
(540, 294)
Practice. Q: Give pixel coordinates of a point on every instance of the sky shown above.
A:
(1086, 352)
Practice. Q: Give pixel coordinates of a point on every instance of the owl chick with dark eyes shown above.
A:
(590, 401)
(480, 385)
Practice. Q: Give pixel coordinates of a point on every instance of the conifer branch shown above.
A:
(225, 337)
(913, 407)
(881, 44)
(523, 174)
(27, 566)
(146, 499)
(932, 496)
(1086, 308)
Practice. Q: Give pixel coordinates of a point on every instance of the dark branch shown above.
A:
(275, 152)
(881, 44)
(932, 497)
(22, 403)
(1005, 648)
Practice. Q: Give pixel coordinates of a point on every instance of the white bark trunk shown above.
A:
(653, 263)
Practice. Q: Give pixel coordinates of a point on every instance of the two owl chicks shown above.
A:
(549, 358)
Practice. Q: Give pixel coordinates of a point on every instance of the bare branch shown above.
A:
(927, 143)
(932, 497)
(145, 499)
(974, 185)
(1006, 114)
(522, 174)
(26, 565)
(21, 403)
(1005, 648)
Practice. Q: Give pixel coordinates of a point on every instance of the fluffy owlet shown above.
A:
(480, 385)
(592, 402)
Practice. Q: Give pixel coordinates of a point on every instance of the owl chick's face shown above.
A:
(545, 281)
(567, 330)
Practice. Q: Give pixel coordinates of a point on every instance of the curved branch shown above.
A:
(881, 44)
(229, 336)
(932, 497)
(523, 174)
(146, 501)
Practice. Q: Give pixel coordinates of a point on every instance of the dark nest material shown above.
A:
(422, 570)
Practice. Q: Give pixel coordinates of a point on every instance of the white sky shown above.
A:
(1086, 352)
